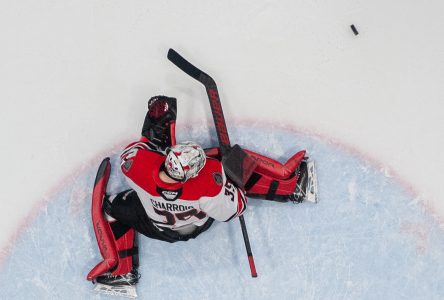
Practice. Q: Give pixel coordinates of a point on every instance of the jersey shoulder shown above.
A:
(208, 183)
(142, 168)
(139, 166)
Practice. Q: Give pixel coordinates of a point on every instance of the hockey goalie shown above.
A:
(177, 190)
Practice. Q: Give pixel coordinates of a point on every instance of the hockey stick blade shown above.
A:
(213, 96)
(191, 70)
(183, 64)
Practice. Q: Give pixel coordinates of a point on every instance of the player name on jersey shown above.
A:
(170, 206)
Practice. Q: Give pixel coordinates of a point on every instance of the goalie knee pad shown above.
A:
(270, 188)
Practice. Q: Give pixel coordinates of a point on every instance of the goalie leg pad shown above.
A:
(124, 238)
(273, 168)
(115, 241)
(266, 165)
(102, 229)
(303, 186)
(127, 250)
(295, 180)
(270, 188)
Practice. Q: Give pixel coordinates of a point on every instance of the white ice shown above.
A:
(75, 79)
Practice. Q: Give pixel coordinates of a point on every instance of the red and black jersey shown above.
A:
(175, 205)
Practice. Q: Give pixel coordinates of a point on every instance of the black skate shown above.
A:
(120, 285)
(307, 185)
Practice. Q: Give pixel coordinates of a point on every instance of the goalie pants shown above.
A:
(127, 209)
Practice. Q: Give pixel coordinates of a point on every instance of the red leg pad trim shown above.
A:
(294, 162)
(270, 167)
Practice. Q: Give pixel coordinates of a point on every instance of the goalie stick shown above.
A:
(222, 132)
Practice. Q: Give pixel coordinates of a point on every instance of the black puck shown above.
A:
(355, 31)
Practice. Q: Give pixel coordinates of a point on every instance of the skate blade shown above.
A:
(128, 291)
(312, 183)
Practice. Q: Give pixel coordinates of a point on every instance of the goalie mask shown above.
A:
(184, 161)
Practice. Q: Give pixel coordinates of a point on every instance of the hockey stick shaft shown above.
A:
(248, 247)
(220, 124)
(213, 96)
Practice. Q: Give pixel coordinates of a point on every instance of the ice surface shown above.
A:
(367, 238)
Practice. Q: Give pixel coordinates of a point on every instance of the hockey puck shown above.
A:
(353, 28)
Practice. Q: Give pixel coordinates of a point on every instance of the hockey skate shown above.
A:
(307, 185)
(121, 285)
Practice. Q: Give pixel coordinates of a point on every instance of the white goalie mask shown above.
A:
(184, 161)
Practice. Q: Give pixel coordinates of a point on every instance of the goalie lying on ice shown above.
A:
(178, 190)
